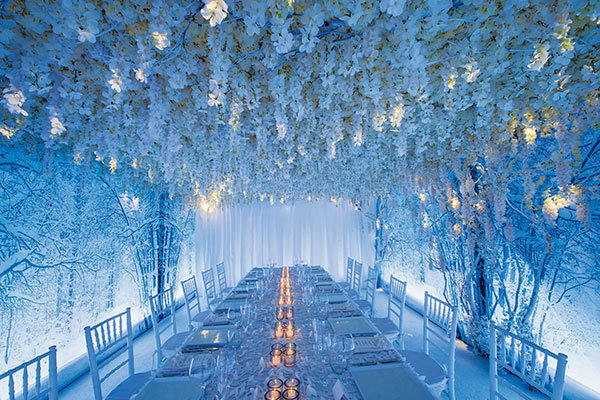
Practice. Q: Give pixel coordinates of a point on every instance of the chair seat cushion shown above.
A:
(363, 305)
(343, 285)
(225, 291)
(212, 304)
(424, 365)
(385, 325)
(129, 386)
(175, 341)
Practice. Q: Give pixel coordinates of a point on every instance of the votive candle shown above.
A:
(291, 394)
(289, 358)
(276, 357)
(273, 395)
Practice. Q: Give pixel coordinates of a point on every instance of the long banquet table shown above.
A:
(243, 363)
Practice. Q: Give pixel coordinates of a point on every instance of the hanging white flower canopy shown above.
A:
(253, 99)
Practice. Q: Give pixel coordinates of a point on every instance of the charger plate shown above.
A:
(179, 388)
(352, 325)
(390, 382)
(206, 338)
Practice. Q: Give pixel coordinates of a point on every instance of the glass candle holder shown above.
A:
(276, 357)
(291, 383)
(277, 346)
(289, 313)
(289, 357)
(275, 384)
(280, 313)
(288, 345)
(289, 330)
(273, 395)
(279, 331)
(291, 394)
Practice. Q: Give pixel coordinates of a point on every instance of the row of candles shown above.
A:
(284, 353)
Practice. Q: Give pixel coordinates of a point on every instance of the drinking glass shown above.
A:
(201, 371)
(337, 362)
(225, 372)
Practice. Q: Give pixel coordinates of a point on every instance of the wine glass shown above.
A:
(347, 345)
(201, 371)
(233, 316)
(225, 372)
(323, 311)
(235, 337)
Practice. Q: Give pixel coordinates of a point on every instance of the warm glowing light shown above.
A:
(279, 331)
(454, 203)
(276, 357)
(289, 333)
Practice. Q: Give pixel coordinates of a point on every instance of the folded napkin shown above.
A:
(337, 298)
(352, 326)
(216, 320)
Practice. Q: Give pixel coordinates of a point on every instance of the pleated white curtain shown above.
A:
(248, 235)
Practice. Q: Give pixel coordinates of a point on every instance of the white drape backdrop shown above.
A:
(248, 235)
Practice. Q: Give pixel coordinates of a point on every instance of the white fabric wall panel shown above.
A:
(248, 235)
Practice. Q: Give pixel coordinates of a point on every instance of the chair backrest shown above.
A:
(356, 276)
(371, 285)
(103, 341)
(396, 302)
(531, 363)
(40, 387)
(162, 306)
(221, 277)
(349, 268)
(445, 316)
(191, 299)
(209, 285)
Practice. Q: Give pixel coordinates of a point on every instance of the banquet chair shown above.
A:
(210, 288)
(224, 290)
(162, 305)
(354, 290)
(526, 361)
(191, 297)
(395, 312)
(104, 341)
(437, 375)
(39, 388)
(366, 305)
(348, 282)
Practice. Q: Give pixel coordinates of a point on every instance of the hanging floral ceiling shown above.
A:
(254, 99)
